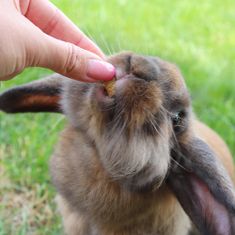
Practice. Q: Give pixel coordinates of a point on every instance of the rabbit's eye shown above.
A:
(177, 120)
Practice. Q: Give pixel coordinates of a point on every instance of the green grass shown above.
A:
(198, 36)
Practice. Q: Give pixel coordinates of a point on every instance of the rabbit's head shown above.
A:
(137, 126)
(143, 134)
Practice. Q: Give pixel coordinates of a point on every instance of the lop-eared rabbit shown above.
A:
(136, 163)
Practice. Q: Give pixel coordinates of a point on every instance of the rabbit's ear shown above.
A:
(39, 96)
(203, 188)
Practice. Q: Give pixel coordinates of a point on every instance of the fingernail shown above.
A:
(100, 70)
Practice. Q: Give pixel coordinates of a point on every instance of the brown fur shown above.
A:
(105, 202)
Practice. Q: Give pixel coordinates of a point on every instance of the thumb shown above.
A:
(72, 61)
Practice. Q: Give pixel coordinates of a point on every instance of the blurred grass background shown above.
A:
(198, 36)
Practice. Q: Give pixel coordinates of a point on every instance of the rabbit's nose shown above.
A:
(122, 65)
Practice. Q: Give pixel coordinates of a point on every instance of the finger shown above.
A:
(70, 60)
(10, 76)
(54, 23)
(7, 77)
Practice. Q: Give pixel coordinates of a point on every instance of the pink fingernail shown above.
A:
(100, 70)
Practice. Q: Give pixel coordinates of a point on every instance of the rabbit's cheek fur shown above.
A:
(135, 108)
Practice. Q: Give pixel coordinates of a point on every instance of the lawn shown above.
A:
(198, 36)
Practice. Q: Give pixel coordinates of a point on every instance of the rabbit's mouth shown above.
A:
(102, 94)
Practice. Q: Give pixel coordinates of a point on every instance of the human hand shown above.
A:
(34, 33)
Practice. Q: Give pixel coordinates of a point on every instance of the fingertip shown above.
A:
(100, 70)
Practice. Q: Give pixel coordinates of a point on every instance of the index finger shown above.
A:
(53, 22)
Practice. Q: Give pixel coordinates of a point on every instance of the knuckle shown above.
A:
(75, 61)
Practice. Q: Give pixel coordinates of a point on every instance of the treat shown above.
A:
(110, 87)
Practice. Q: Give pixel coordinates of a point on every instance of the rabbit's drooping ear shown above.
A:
(38, 96)
(203, 188)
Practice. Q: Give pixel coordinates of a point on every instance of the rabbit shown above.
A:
(138, 162)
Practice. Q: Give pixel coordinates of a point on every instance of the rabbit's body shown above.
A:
(105, 208)
(137, 163)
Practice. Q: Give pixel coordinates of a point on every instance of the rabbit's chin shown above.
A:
(136, 162)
